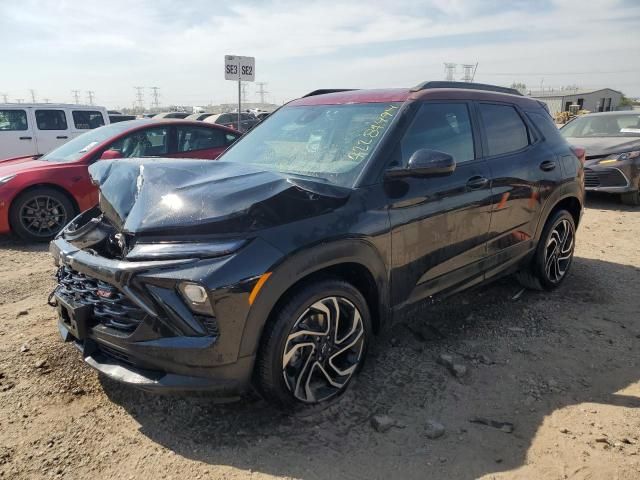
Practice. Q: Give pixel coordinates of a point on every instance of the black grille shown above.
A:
(111, 308)
(610, 177)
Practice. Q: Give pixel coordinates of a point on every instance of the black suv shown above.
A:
(276, 266)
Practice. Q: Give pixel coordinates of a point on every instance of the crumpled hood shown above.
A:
(599, 146)
(201, 197)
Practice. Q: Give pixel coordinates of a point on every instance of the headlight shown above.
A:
(620, 157)
(6, 178)
(196, 298)
(165, 251)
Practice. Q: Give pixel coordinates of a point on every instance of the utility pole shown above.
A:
(33, 95)
(156, 96)
(140, 97)
(261, 91)
(450, 69)
(76, 96)
(90, 96)
(5, 97)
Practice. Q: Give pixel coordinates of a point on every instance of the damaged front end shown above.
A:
(153, 283)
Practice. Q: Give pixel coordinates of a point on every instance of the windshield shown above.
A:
(77, 147)
(603, 126)
(328, 142)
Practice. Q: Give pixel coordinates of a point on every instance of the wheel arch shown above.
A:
(569, 201)
(356, 261)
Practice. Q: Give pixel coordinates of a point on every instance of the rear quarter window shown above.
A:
(545, 125)
(505, 130)
(87, 119)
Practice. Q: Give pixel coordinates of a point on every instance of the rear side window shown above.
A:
(12, 120)
(546, 126)
(196, 138)
(445, 127)
(51, 120)
(152, 142)
(86, 119)
(505, 130)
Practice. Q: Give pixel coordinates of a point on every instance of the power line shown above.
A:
(156, 97)
(90, 96)
(261, 91)
(76, 96)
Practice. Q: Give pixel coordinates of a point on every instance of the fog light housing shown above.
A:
(196, 297)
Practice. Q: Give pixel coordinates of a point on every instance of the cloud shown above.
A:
(179, 45)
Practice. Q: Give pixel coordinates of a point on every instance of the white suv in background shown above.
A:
(36, 128)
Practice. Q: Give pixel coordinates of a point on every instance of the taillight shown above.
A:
(581, 153)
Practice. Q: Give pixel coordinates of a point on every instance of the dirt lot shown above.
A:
(563, 368)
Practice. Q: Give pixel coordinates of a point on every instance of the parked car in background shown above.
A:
(180, 115)
(276, 266)
(198, 116)
(612, 142)
(247, 121)
(38, 196)
(37, 128)
(119, 117)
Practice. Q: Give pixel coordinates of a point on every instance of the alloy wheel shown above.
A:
(559, 250)
(43, 216)
(323, 349)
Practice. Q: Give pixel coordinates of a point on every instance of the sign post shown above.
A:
(242, 69)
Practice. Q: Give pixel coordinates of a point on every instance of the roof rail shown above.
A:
(324, 91)
(465, 85)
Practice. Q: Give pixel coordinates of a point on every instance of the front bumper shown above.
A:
(144, 334)
(615, 179)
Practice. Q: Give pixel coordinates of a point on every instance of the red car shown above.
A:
(39, 196)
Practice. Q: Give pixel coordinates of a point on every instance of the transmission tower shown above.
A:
(76, 96)
(244, 92)
(90, 94)
(156, 97)
(261, 91)
(450, 69)
(469, 72)
(5, 97)
(33, 95)
(140, 97)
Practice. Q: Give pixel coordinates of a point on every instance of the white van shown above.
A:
(36, 128)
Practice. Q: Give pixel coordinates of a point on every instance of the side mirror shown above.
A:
(426, 163)
(110, 155)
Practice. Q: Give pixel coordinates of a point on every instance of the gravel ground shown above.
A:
(487, 384)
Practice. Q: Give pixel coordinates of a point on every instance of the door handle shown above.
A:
(25, 138)
(61, 137)
(474, 183)
(547, 166)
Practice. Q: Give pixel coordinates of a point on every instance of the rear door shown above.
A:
(16, 133)
(201, 142)
(439, 224)
(523, 171)
(52, 128)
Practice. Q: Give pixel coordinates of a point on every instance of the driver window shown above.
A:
(152, 142)
(445, 127)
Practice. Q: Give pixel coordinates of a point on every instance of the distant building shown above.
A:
(559, 100)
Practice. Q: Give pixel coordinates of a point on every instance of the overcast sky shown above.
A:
(111, 46)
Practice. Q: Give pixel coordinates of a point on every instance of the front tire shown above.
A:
(553, 256)
(40, 213)
(314, 344)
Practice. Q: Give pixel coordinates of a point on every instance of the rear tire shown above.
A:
(631, 198)
(40, 213)
(553, 256)
(313, 345)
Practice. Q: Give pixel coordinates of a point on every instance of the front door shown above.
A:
(439, 224)
(52, 129)
(16, 133)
